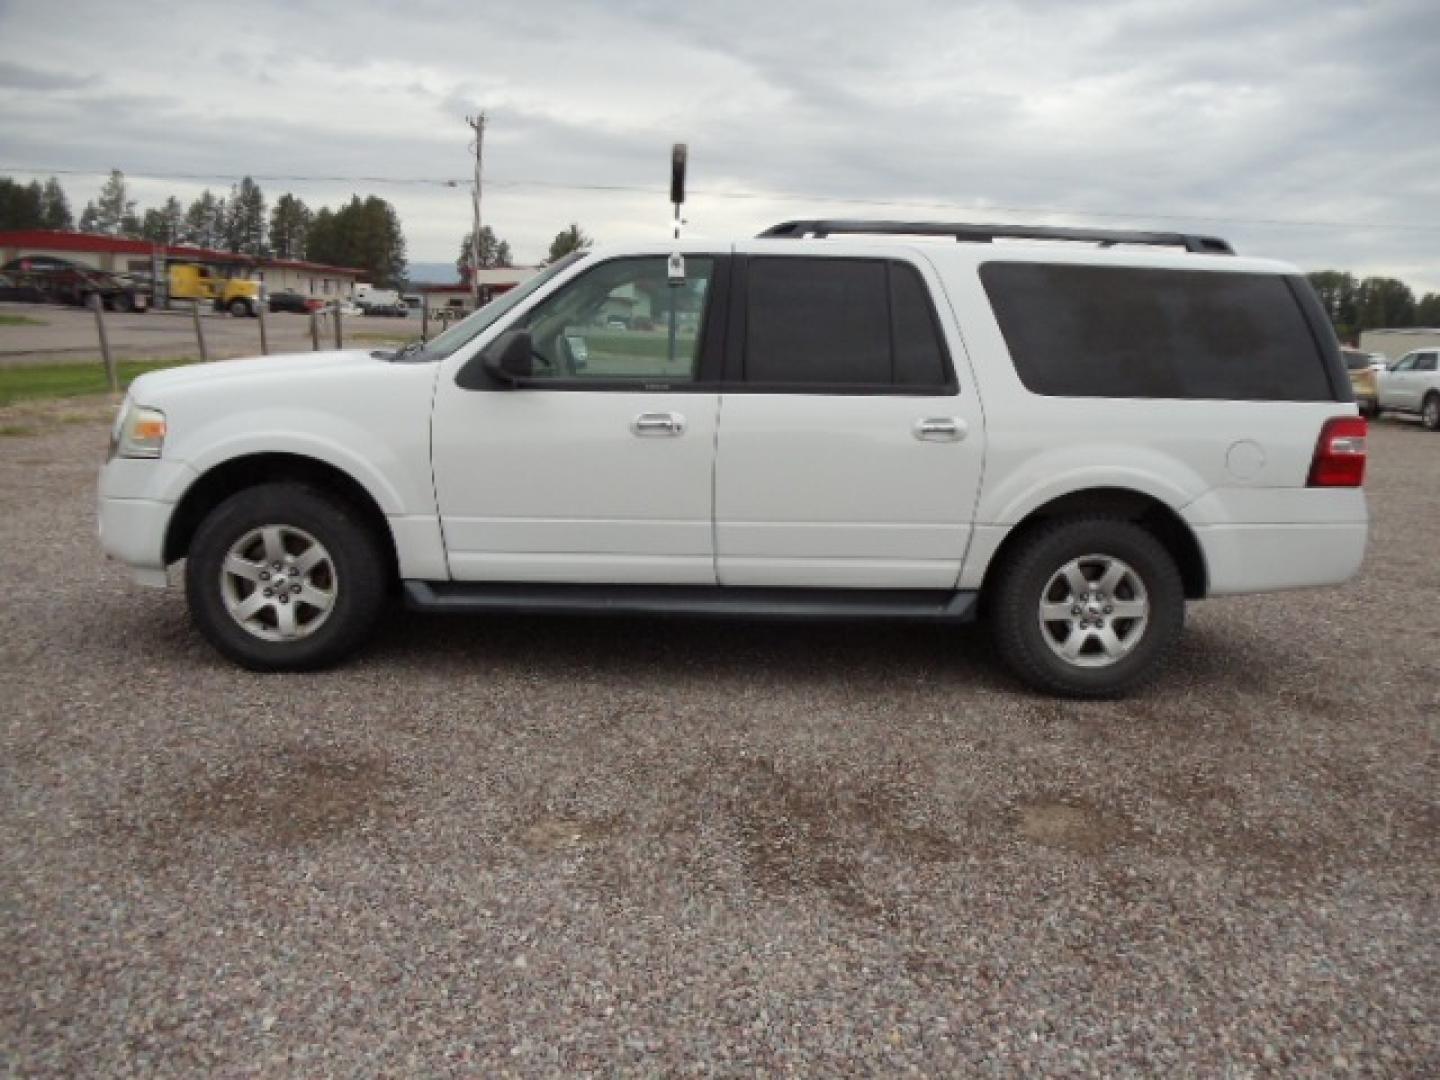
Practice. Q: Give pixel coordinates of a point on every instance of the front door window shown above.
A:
(624, 319)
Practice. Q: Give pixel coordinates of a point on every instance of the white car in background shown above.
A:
(1411, 386)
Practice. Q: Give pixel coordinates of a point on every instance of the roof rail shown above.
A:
(984, 234)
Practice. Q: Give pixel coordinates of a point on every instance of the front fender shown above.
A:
(397, 477)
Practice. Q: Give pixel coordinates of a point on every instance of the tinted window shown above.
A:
(840, 322)
(1426, 363)
(1354, 360)
(919, 356)
(1099, 331)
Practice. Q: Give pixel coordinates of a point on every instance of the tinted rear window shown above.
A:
(864, 323)
(1129, 332)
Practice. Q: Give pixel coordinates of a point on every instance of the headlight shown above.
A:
(139, 433)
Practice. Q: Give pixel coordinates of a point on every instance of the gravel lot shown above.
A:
(547, 847)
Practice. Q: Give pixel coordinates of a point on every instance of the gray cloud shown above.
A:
(22, 77)
(1219, 116)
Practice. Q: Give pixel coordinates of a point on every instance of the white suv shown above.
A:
(1070, 432)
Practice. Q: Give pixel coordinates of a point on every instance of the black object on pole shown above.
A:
(678, 155)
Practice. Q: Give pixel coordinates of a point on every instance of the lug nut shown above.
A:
(269, 592)
(295, 588)
(264, 575)
(1100, 624)
(284, 598)
(1075, 610)
(293, 571)
(1108, 609)
(275, 566)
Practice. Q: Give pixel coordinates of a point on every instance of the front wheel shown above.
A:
(1430, 412)
(239, 308)
(1087, 607)
(282, 577)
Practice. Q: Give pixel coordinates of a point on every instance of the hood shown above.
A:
(155, 384)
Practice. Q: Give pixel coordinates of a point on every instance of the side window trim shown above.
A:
(734, 378)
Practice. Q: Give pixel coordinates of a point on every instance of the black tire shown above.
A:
(239, 308)
(360, 576)
(1430, 412)
(122, 302)
(1028, 569)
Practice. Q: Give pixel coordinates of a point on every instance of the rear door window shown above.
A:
(848, 325)
(1132, 332)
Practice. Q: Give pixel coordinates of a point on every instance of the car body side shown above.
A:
(1227, 478)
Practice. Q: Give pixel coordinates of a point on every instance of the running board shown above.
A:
(925, 605)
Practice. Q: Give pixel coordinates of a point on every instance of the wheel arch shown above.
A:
(1125, 504)
(236, 474)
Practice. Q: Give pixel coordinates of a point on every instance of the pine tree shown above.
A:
(54, 207)
(289, 225)
(245, 219)
(493, 252)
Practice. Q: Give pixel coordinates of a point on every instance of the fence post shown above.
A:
(199, 331)
(424, 317)
(260, 309)
(314, 331)
(110, 373)
(339, 332)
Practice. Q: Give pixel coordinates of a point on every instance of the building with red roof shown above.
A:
(125, 255)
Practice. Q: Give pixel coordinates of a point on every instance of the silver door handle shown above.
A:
(658, 423)
(941, 429)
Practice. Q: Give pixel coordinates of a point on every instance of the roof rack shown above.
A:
(984, 234)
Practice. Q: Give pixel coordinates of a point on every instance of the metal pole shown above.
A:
(424, 317)
(477, 123)
(199, 330)
(339, 334)
(261, 306)
(110, 373)
(315, 331)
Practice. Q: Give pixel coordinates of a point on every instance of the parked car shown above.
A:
(1364, 379)
(1047, 434)
(1412, 386)
(290, 300)
(397, 309)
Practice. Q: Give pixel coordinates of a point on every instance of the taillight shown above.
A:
(1339, 459)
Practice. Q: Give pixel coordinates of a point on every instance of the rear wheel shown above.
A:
(239, 308)
(282, 577)
(122, 302)
(1087, 607)
(1430, 412)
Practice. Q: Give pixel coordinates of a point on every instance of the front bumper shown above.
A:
(137, 500)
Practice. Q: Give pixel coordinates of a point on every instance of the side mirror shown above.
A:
(506, 360)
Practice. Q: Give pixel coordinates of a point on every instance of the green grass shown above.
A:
(42, 381)
(21, 320)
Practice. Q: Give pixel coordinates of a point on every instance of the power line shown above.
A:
(741, 195)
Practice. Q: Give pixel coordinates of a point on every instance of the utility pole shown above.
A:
(477, 125)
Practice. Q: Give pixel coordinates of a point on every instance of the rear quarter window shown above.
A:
(1133, 332)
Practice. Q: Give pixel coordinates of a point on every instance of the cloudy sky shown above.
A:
(1307, 131)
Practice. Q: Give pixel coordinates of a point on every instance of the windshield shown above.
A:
(468, 329)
